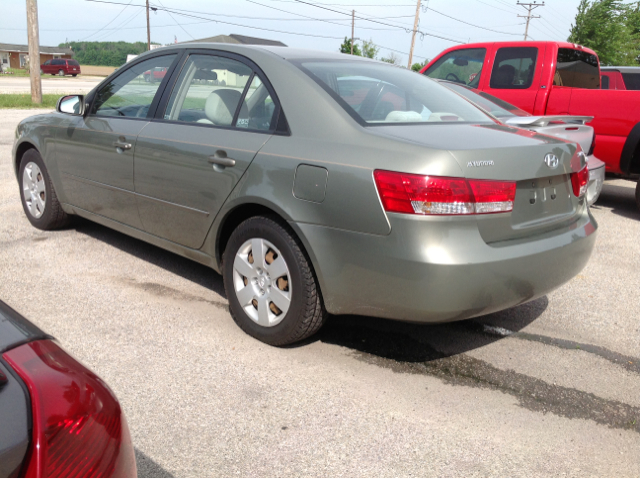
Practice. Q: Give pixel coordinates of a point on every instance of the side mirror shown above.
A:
(71, 105)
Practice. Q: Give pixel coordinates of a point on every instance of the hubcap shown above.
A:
(35, 192)
(262, 282)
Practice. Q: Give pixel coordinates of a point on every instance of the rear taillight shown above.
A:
(78, 427)
(438, 195)
(579, 182)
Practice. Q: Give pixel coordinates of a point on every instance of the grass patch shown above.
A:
(16, 72)
(18, 100)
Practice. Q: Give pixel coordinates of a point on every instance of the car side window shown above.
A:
(48, 62)
(129, 95)
(209, 91)
(514, 67)
(258, 109)
(461, 66)
(604, 82)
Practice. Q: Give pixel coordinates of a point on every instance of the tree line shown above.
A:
(369, 49)
(611, 28)
(110, 54)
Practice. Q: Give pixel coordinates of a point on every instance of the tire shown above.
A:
(74, 74)
(61, 73)
(303, 316)
(48, 212)
(638, 194)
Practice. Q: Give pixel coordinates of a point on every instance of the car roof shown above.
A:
(286, 53)
(621, 69)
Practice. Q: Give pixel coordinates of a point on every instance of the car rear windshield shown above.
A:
(631, 81)
(376, 93)
(577, 69)
(490, 103)
(73, 63)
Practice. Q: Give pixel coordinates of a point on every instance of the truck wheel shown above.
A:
(272, 291)
(638, 194)
(39, 199)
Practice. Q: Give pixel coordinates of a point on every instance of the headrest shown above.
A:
(403, 116)
(221, 106)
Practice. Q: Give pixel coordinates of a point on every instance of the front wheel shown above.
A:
(39, 199)
(272, 291)
(61, 73)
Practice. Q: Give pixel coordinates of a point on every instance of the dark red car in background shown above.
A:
(57, 418)
(155, 75)
(60, 66)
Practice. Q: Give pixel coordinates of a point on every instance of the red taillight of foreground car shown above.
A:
(78, 427)
(439, 195)
(579, 182)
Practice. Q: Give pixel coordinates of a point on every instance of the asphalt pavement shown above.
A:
(50, 84)
(549, 388)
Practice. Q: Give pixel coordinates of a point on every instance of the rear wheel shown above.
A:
(74, 74)
(61, 73)
(39, 199)
(272, 291)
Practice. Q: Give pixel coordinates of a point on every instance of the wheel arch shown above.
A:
(21, 149)
(243, 211)
(630, 157)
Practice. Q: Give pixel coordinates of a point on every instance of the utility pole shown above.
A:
(34, 51)
(413, 35)
(353, 26)
(148, 29)
(529, 7)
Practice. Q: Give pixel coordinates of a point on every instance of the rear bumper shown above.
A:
(440, 269)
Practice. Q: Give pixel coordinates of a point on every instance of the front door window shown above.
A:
(461, 66)
(129, 95)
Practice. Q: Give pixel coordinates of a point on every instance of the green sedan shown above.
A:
(315, 183)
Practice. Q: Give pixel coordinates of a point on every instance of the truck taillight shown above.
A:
(78, 427)
(579, 182)
(438, 195)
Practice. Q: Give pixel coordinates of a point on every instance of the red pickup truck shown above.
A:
(552, 78)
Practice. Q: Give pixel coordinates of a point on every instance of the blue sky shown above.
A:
(471, 20)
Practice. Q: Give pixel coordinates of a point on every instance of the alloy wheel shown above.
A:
(34, 189)
(261, 281)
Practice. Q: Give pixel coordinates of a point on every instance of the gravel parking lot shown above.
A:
(549, 388)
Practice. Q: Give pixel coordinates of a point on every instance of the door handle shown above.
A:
(220, 159)
(122, 145)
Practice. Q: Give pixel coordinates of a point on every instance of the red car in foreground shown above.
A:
(552, 78)
(61, 67)
(57, 418)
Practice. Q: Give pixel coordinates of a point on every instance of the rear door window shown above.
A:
(577, 69)
(604, 82)
(461, 66)
(631, 81)
(514, 68)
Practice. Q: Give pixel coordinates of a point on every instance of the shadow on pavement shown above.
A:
(147, 467)
(188, 269)
(620, 199)
(415, 343)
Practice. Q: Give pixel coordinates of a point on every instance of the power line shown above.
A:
(192, 37)
(470, 24)
(529, 7)
(112, 20)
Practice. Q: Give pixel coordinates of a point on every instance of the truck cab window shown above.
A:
(461, 66)
(514, 68)
(577, 69)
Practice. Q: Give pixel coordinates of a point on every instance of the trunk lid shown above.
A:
(544, 199)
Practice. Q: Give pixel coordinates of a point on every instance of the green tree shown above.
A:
(603, 26)
(104, 53)
(392, 58)
(346, 47)
(369, 49)
(416, 67)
